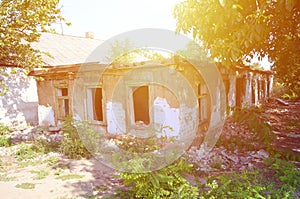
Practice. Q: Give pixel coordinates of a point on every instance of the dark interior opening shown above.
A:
(240, 90)
(253, 91)
(141, 104)
(97, 102)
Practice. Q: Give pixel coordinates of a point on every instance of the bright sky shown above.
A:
(107, 18)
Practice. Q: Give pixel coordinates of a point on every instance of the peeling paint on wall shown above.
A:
(165, 119)
(46, 116)
(115, 118)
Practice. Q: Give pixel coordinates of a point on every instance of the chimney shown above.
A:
(89, 35)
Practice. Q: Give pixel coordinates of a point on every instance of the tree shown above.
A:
(195, 52)
(22, 22)
(125, 52)
(234, 30)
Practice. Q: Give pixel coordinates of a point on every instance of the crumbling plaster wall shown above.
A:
(164, 103)
(47, 95)
(163, 97)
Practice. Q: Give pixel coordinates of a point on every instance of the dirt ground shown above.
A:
(67, 178)
(89, 177)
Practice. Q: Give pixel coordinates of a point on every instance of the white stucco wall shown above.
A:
(18, 107)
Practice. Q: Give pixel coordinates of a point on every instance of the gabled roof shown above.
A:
(65, 49)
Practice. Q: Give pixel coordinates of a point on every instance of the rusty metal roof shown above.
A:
(65, 49)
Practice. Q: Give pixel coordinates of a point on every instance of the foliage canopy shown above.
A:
(234, 31)
(22, 22)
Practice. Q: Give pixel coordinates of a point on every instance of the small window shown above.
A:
(62, 92)
(62, 102)
(95, 104)
(141, 104)
(202, 102)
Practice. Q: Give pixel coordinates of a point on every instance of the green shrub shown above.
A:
(260, 132)
(252, 118)
(233, 185)
(52, 160)
(5, 141)
(134, 144)
(164, 183)
(25, 152)
(45, 146)
(286, 172)
(4, 129)
(279, 179)
(73, 145)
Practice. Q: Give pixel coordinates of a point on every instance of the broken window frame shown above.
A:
(65, 99)
(130, 113)
(89, 105)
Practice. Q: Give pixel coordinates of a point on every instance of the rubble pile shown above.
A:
(239, 147)
(284, 118)
(50, 134)
(222, 159)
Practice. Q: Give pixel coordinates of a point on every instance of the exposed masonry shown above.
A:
(167, 107)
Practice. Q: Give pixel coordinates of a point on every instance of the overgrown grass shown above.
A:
(25, 185)
(40, 174)
(69, 176)
(30, 163)
(49, 161)
(26, 152)
(280, 179)
(52, 160)
(6, 178)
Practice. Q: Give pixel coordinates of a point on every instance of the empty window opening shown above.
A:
(259, 89)
(227, 87)
(95, 104)
(202, 102)
(268, 87)
(263, 88)
(141, 104)
(63, 102)
(240, 90)
(62, 92)
(253, 91)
